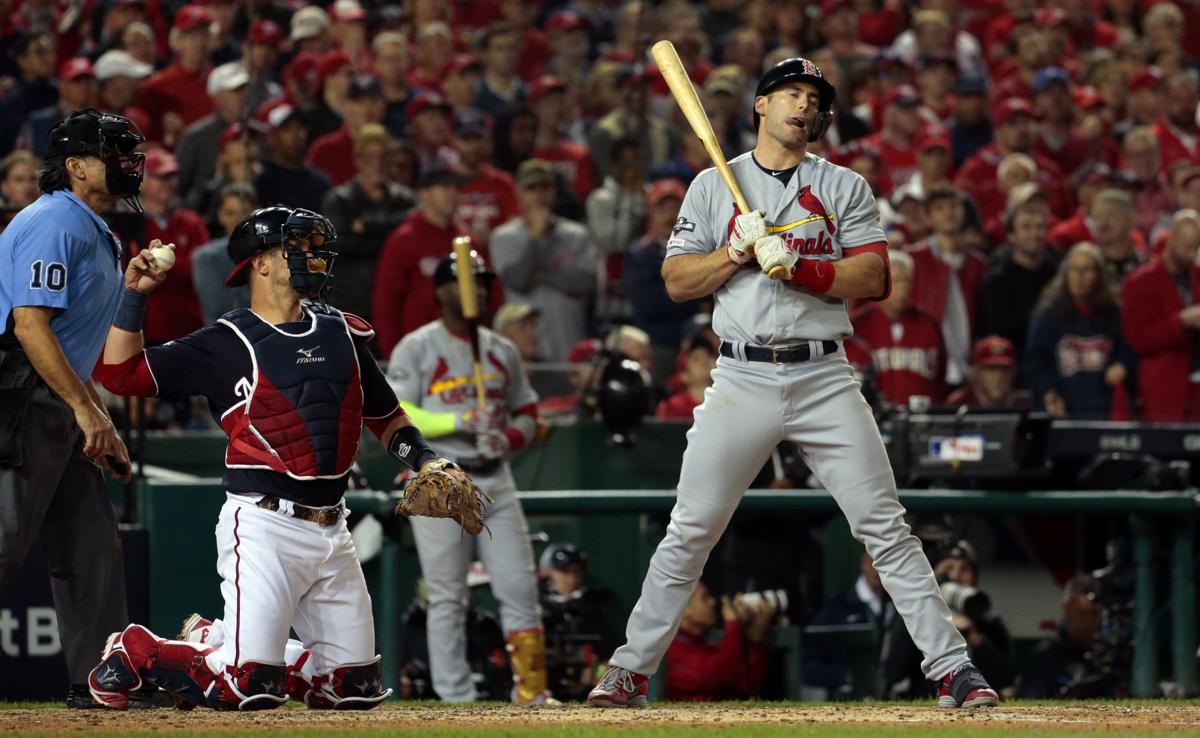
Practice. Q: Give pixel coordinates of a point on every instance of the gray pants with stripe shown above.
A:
(751, 408)
(58, 499)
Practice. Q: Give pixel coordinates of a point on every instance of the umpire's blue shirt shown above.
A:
(57, 253)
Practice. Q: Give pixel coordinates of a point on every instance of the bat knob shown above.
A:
(778, 272)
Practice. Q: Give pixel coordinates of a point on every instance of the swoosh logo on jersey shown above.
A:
(456, 382)
(803, 221)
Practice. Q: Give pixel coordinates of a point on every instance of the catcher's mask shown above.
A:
(308, 240)
(111, 138)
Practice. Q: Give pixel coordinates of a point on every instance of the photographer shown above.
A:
(957, 570)
(1063, 665)
(703, 667)
(578, 622)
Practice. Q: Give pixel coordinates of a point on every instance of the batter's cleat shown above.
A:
(966, 687)
(195, 628)
(619, 688)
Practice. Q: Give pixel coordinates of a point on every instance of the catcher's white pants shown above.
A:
(750, 408)
(446, 553)
(278, 573)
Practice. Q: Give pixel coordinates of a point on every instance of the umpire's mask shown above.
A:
(111, 137)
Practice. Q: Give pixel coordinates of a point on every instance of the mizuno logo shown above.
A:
(306, 356)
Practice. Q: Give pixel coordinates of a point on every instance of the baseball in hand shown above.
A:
(164, 257)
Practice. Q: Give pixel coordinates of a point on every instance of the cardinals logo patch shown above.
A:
(813, 204)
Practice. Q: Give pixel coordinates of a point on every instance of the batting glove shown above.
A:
(772, 252)
(480, 420)
(492, 444)
(748, 228)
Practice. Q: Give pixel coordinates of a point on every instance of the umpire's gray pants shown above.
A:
(58, 499)
(750, 408)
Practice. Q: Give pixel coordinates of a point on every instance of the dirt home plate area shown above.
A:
(666, 720)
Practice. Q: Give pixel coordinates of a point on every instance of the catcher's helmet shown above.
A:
(311, 268)
(110, 137)
(258, 232)
(798, 69)
(447, 270)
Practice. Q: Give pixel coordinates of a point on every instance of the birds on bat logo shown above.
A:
(813, 204)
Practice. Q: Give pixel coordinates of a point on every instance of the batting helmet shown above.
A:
(798, 69)
(258, 232)
(447, 269)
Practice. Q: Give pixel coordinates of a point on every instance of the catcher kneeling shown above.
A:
(291, 382)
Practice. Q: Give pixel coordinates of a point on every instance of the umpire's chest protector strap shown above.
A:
(302, 414)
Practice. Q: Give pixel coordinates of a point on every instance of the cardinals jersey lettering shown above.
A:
(821, 212)
(434, 369)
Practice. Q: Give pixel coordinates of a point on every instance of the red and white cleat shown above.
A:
(195, 628)
(619, 688)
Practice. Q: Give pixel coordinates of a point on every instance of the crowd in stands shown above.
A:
(1037, 163)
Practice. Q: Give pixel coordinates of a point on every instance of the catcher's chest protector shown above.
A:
(302, 413)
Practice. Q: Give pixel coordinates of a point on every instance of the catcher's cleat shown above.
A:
(111, 681)
(619, 688)
(966, 687)
(195, 628)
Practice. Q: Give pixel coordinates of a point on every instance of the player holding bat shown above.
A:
(465, 388)
(782, 374)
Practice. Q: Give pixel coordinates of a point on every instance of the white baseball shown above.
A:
(164, 257)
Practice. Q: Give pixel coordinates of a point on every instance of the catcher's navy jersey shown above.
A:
(214, 363)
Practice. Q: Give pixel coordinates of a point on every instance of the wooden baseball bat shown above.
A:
(685, 95)
(470, 306)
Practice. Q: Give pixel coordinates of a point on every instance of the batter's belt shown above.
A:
(788, 354)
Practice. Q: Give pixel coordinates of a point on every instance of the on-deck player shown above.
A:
(291, 382)
(431, 370)
(782, 375)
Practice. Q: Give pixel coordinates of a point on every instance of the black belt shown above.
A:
(779, 354)
(480, 467)
(321, 516)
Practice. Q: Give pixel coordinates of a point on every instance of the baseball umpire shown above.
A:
(292, 383)
(60, 283)
(783, 376)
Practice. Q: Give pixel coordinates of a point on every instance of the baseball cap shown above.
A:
(566, 20)
(371, 133)
(426, 101)
(119, 63)
(191, 17)
(471, 122)
(461, 62)
(309, 22)
(1051, 76)
(664, 188)
(331, 63)
(227, 77)
(364, 86)
(992, 351)
(1019, 197)
(829, 7)
(1011, 108)
(266, 33)
(438, 175)
(904, 96)
(280, 115)
(75, 67)
(160, 162)
(347, 11)
(512, 312)
(971, 84)
(303, 68)
(722, 83)
(1146, 78)
(1086, 97)
(584, 350)
(237, 130)
(934, 140)
(545, 85)
(533, 172)
(560, 556)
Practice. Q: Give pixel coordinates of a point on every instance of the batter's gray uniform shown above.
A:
(752, 406)
(433, 369)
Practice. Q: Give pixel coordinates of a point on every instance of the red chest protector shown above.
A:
(302, 413)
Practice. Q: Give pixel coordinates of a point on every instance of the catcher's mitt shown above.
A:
(443, 490)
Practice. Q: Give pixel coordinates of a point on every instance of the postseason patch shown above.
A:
(683, 224)
(672, 243)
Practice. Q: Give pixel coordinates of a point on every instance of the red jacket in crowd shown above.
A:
(897, 164)
(699, 671)
(978, 178)
(333, 154)
(907, 356)
(573, 163)
(174, 90)
(487, 201)
(931, 281)
(173, 310)
(403, 299)
(1174, 144)
(1075, 229)
(1150, 306)
(678, 406)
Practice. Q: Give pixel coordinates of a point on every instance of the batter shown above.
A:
(783, 375)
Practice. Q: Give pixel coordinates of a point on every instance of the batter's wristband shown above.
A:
(132, 312)
(410, 447)
(814, 275)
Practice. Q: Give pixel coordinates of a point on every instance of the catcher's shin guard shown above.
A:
(347, 687)
(527, 652)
